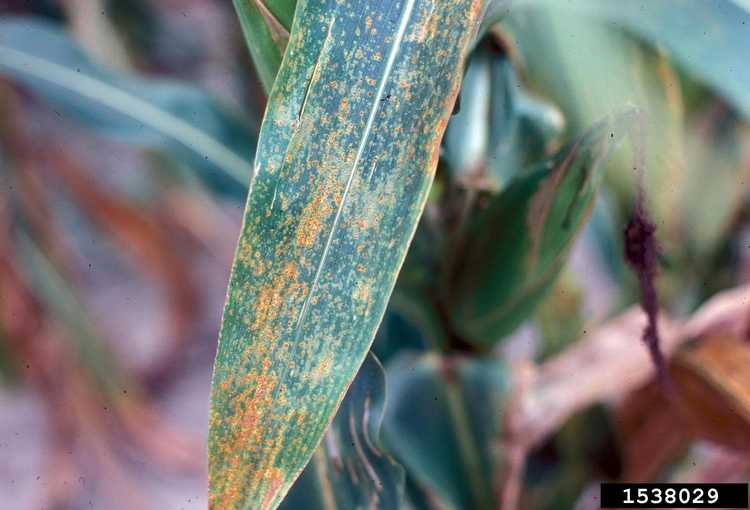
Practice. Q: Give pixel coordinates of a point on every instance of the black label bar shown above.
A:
(674, 495)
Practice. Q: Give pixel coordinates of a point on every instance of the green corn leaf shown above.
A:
(500, 127)
(466, 137)
(587, 68)
(709, 39)
(516, 246)
(350, 470)
(443, 424)
(281, 10)
(345, 158)
(706, 212)
(266, 25)
(145, 112)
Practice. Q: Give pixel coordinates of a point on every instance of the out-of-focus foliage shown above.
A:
(139, 111)
(512, 251)
(128, 137)
(499, 123)
(350, 468)
(444, 424)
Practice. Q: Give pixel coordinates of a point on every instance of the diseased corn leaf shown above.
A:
(346, 156)
(709, 39)
(146, 112)
(443, 424)
(516, 246)
(266, 25)
(350, 470)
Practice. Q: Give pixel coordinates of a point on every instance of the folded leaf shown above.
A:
(500, 128)
(146, 112)
(346, 156)
(350, 470)
(517, 245)
(443, 424)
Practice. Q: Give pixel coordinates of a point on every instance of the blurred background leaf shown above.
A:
(515, 247)
(443, 425)
(139, 111)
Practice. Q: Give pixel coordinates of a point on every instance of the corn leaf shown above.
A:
(350, 470)
(281, 10)
(587, 67)
(345, 158)
(151, 113)
(266, 25)
(516, 246)
(709, 39)
(500, 128)
(705, 213)
(443, 424)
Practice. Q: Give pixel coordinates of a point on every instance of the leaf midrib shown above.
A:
(393, 52)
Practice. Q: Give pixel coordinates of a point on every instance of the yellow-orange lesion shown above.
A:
(312, 220)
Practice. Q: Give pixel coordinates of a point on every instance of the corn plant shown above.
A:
(421, 175)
